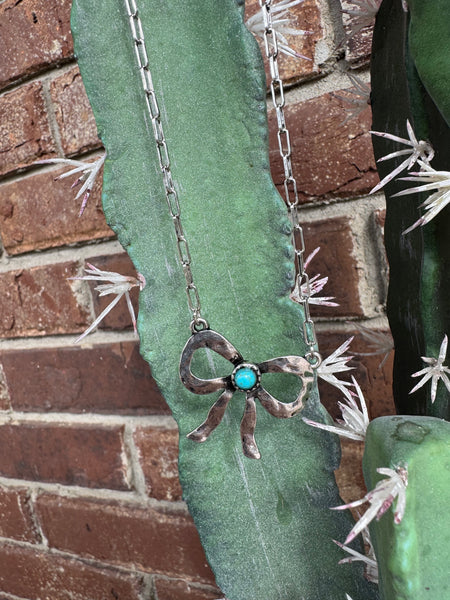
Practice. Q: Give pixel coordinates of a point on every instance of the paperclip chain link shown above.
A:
(198, 323)
(290, 183)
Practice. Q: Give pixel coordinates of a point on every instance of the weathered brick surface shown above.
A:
(330, 158)
(34, 34)
(38, 212)
(158, 450)
(349, 476)
(40, 301)
(15, 516)
(24, 128)
(358, 47)
(169, 589)
(73, 113)
(358, 41)
(375, 382)
(38, 575)
(85, 455)
(119, 317)
(108, 378)
(161, 542)
(336, 261)
(305, 16)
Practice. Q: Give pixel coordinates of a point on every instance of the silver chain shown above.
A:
(290, 183)
(198, 322)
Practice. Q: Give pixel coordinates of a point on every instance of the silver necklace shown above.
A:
(245, 376)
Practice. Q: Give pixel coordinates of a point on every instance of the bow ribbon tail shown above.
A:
(215, 416)
(248, 424)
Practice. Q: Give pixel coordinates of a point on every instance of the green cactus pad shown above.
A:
(412, 555)
(429, 43)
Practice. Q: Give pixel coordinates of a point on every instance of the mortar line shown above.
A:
(8, 596)
(88, 561)
(335, 80)
(51, 117)
(134, 469)
(201, 586)
(38, 169)
(52, 256)
(11, 417)
(93, 340)
(130, 498)
(331, 13)
(61, 66)
(119, 567)
(32, 495)
(148, 590)
(375, 323)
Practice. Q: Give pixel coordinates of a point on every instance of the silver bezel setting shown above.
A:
(253, 368)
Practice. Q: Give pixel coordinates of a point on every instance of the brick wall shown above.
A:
(90, 503)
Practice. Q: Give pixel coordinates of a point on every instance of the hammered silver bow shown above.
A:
(245, 377)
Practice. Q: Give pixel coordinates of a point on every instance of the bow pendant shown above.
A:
(246, 377)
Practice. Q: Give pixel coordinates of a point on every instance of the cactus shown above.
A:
(412, 555)
(265, 525)
(409, 74)
(418, 261)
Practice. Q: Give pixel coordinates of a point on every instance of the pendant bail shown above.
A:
(198, 324)
(314, 358)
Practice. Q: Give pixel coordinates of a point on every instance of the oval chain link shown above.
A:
(198, 323)
(290, 183)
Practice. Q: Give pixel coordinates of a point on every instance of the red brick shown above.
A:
(37, 212)
(108, 378)
(24, 128)
(330, 158)
(41, 301)
(119, 318)
(336, 261)
(306, 16)
(85, 455)
(73, 113)
(169, 589)
(375, 382)
(34, 34)
(349, 476)
(166, 542)
(158, 451)
(39, 575)
(16, 520)
(358, 46)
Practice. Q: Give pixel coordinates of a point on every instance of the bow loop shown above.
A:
(215, 342)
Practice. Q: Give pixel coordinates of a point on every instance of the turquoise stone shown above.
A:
(245, 378)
